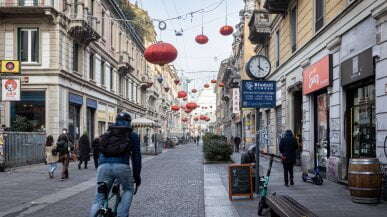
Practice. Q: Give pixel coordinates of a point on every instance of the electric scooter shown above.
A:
(316, 179)
(263, 185)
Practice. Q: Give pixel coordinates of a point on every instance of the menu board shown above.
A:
(239, 180)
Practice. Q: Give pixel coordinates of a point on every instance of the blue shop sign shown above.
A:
(76, 99)
(258, 94)
(91, 103)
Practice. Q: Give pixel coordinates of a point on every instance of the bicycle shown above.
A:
(105, 210)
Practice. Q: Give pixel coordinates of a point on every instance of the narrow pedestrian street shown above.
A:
(172, 185)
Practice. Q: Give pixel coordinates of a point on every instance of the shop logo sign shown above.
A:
(11, 90)
(317, 75)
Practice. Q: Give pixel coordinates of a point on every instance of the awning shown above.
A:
(144, 122)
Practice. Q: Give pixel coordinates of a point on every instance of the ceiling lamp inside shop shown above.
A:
(160, 53)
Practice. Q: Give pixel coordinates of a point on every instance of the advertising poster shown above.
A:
(10, 89)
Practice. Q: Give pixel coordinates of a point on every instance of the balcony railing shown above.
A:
(276, 6)
(259, 26)
(83, 26)
(10, 7)
(124, 66)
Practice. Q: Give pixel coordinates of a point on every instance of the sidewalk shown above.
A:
(329, 200)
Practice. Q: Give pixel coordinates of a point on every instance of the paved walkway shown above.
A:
(329, 200)
(172, 185)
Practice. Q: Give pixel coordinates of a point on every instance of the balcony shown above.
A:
(259, 26)
(124, 66)
(28, 8)
(277, 6)
(83, 27)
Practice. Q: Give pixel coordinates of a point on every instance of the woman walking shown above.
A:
(52, 156)
(64, 146)
(84, 151)
(288, 148)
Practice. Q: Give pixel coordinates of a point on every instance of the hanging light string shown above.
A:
(226, 11)
(202, 23)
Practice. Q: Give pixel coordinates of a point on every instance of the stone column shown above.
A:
(380, 54)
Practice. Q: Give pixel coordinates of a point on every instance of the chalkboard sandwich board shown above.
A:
(239, 180)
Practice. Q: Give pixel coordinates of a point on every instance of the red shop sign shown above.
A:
(317, 76)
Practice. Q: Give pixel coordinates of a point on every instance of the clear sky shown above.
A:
(192, 56)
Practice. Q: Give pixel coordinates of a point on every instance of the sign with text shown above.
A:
(10, 89)
(317, 75)
(235, 101)
(258, 94)
(240, 181)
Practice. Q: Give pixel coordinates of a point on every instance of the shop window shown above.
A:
(29, 113)
(28, 49)
(319, 12)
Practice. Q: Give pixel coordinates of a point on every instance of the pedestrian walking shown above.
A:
(95, 152)
(117, 147)
(64, 147)
(237, 142)
(84, 151)
(52, 156)
(288, 148)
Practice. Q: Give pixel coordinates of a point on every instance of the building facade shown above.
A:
(80, 65)
(327, 58)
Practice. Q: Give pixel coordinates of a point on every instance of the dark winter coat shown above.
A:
(288, 147)
(95, 148)
(84, 148)
(64, 141)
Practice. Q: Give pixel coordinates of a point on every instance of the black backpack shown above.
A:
(114, 144)
(62, 147)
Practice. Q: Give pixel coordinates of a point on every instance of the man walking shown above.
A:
(288, 148)
(237, 142)
(116, 147)
(64, 147)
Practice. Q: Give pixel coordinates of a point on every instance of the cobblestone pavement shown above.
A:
(172, 185)
(329, 200)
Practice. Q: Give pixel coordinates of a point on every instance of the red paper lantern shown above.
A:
(166, 89)
(226, 30)
(191, 106)
(196, 119)
(194, 90)
(206, 86)
(184, 119)
(181, 94)
(221, 84)
(201, 39)
(185, 98)
(213, 81)
(175, 108)
(187, 110)
(177, 81)
(208, 119)
(160, 53)
(182, 107)
(203, 117)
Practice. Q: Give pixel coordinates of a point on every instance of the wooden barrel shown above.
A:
(365, 180)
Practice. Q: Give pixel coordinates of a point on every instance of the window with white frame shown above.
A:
(28, 49)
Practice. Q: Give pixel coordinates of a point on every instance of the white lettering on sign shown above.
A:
(314, 78)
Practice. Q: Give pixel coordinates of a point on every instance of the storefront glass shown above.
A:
(90, 123)
(74, 121)
(362, 121)
(322, 129)
(29, 113)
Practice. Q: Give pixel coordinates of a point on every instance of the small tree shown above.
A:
(216, 148)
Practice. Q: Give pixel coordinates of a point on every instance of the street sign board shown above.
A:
(258, 94)
(10, 66)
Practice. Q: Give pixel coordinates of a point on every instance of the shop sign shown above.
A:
(112, 116)
(235, 101)
(317, 76)
(10, 89)
(258, 94)
(10, 66)
(75, 98)
(357, 68)
(91, 103)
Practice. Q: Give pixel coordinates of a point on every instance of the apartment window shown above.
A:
(103, 24)
(119, 41)
(293, 28)
(91, 7)
(120, 89)
(75, 56)
(277, 48)
(129, 91)
(319, 14)
(75, 7)
(28, 45)
(103, 72)
(111, 78)
(91, 66)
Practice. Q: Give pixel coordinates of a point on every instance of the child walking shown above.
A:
(52, 156)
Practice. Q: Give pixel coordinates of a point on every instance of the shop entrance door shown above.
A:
(297, 123)
(321, 132)
(361, 138)
(74, 122)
